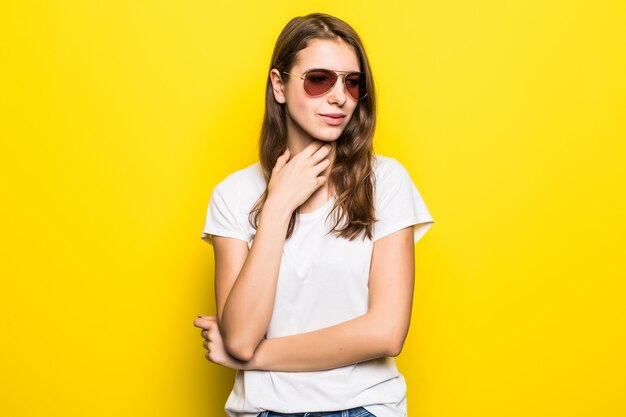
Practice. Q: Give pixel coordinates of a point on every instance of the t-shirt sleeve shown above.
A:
(400, 204)
(223, 217)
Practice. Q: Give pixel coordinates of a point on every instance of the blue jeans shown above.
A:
(352, 412)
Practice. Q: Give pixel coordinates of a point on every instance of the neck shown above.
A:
(298, 139)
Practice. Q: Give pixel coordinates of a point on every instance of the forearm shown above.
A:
(248, 309)
(357, 340)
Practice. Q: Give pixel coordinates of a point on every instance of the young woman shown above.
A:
(311, 312)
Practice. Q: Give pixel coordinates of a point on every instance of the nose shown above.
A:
(338, 92)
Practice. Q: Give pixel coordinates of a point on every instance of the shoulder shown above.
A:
(245, 185)
(389, 170)
(398, 202)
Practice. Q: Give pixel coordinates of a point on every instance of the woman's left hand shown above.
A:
(216, 352)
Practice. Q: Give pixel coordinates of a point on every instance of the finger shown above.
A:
(199, 322)
(203, 323)
(213, 333)
(282, 160)
(320, 181)
(310, 149)
(204, 334)
(321, 166)
(321, 153)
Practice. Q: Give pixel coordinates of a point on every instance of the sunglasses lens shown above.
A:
(318, 82)
(355, 86)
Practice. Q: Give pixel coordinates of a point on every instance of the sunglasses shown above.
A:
(318, 82)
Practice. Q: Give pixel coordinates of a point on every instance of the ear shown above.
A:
(278, 88)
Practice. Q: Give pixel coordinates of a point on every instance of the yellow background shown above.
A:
(118, 118)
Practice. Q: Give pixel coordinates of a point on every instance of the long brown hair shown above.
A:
(352, 172)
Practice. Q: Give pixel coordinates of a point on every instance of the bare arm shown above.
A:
(356, 340)
(379, 332)
(246, 282)
(245, 293)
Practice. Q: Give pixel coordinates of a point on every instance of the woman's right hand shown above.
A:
(294, 180)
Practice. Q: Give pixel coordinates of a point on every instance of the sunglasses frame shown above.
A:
(345, 89)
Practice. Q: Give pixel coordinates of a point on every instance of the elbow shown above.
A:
(235, 345)
(238, 351)
(394, 349)
(395, 343)
(391, 338)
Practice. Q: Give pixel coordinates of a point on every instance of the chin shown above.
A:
(330, 136)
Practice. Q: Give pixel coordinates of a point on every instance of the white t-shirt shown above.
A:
(322, 281)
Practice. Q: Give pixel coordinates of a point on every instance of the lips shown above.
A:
(332, 120)
(334, 115)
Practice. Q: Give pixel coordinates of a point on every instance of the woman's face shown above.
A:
(304, 113)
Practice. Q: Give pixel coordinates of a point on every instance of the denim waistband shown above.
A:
(352, 412)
